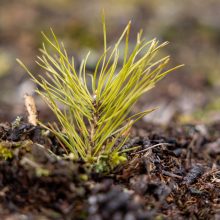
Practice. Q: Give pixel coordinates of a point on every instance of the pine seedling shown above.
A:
(95, 117)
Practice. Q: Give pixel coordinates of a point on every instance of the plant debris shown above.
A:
(158, 183)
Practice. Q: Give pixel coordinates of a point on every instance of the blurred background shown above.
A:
(191, 94)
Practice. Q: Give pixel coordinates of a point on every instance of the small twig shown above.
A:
(12, 144)
(31, 109)
(189, 152)
(166, 173)
(151, 147)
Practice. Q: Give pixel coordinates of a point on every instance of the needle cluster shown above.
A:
(95, 113)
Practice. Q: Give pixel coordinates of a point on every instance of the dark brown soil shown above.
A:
(179, 178)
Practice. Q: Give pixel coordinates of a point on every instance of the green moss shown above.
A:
(7, 148)
(5, 153)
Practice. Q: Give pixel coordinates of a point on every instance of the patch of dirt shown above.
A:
(174, 174)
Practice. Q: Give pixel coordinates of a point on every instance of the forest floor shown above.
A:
(173, 175)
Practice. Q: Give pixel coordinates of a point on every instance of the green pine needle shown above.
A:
(95, 122)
